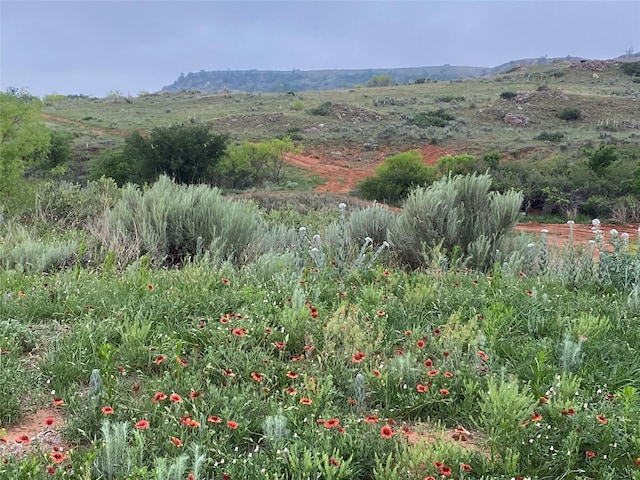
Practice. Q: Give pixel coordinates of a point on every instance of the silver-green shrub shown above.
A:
(166, 220)
(461, 215)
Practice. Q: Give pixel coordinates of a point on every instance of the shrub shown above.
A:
(508, 95)
(601, 158)
(456, 214)
(381, 81)
(569, 114)
(169, 221)
(324, 109)
(631, 68)
(550, 136)
(456, 164)
(373, 222)
(396, 176)
(439, 118)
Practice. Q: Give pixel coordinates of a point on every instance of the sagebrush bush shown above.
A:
(373, 222)
(166, 221)
(461, 215)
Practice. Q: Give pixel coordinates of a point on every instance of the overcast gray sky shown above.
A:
(94, 47)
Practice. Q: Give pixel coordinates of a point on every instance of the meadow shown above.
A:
(177, 332)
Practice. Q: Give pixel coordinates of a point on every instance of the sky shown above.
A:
(97, 47)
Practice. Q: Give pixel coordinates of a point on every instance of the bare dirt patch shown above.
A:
(32, 432)
(558, 234)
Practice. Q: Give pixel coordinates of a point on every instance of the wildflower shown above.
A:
(636, 462)
(386, 432)
(483, 356)
(106, 410)
(50, 470)
(306, 401)
(257, 377)
(232, 425)
(444, 391)
(334, 462)
(407, 333)
(176, 441)
(291, 391)
(239, 332)
(57, 402)
(314, 312)
(142, 424)
(437, 331)
(381, 313)
(195, 394)
(446, 354)
(445, 470)
(420, 344)
(159, 359)
(357, 357)
(292, 375)
(430, 478)
(158, 397)
(191, 476)
(49, 421)
(428, 363)
(332, 423)
(227, 372)
(522, 275)
(421, 388)
(589, 454)
(175, 398)
(602, 419)
(568, 412)
(57, 457)
(386, 273)
(536, 417)
(448, 374)
(226, 281)
(23, 439)
(214, 419)
(371, 419)
(150, 287)
(279, 345)
(182, 362)
(529, 293)
(376, 372)
(543, 400)
(433, 373)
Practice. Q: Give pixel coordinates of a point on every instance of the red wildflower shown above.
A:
(226, 281)
(150, 287)
(407, 332)
(357, 357)
(371, 419)
(176, 441)
(430, 478)
(58, 402)
(57, 457)
(159, 359)
(381, 313)
(227, 372)
(444, 391)
(543, 400)
(107, 410)
(376, 372)
(437, 331)
(448, 374)
(158, 397)
(257, 377)
(292, 374)
(602, 419)
(214, 419)
(421, 388)
(232, 425)
(142, 424)
(49, 421)
(446, 354)
(334, 462)
(195, 394)
(50, 470)
(568, 412)
(433, 373)
(314, 312)
(23, 439)
(386, 432)
(291, 391)
(239, 332)
(182, 361)
(465, 467)
(428, 363)
(279, 345)
(529, 293)
(334, 422)
(536, 417)
(306, 401)
(590, 454)
(191, 476)
(420, 344)
(445, 470)
(175, 398)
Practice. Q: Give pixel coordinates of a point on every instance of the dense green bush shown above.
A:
(187, 153)
(396, 176)
(569, 114)
(631, 68)
(550, 136)
(460, 216)
(324, 109)
(439, 118)
(508, 95)
(599, 160)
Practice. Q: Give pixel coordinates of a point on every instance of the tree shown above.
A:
(601, 158)
(381, 81)
(395, 177)
(24, 140)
